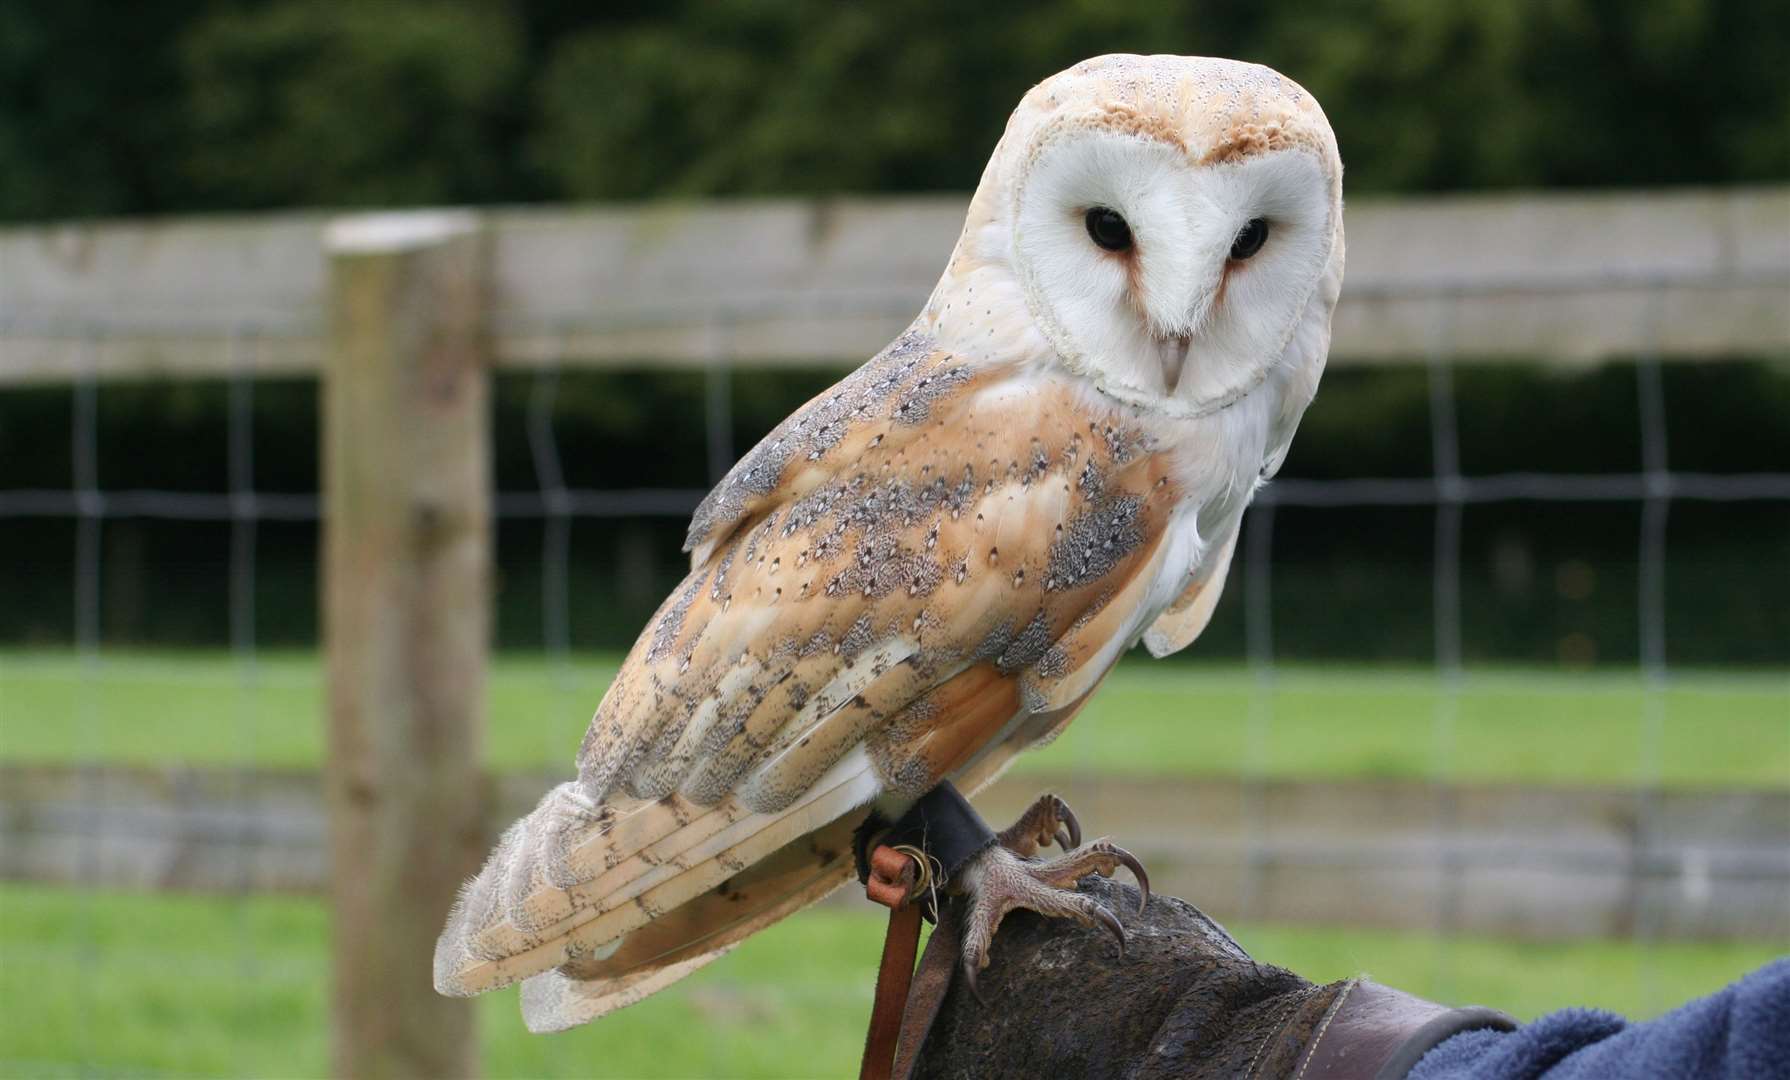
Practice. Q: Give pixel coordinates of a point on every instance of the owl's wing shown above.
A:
(924, 568)
(1185, 619)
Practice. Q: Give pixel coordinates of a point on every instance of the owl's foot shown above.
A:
(999, 880)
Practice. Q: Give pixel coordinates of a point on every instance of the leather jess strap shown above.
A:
(938, 965)
(907, 1001)
(909, 864)
(894, 877)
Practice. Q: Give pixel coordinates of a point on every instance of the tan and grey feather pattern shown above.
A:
(933, 564)
(874, 608)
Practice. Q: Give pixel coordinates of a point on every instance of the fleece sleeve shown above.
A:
(1742, 1030)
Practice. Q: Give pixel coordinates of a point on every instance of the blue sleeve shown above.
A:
(1742, 1030)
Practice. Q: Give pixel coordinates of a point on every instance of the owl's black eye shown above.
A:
(1250, 239)
(1108, 229)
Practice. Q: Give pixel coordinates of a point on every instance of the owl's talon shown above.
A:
(1070, 822)
(969, 980)
(1046, 820)
(1129, 862)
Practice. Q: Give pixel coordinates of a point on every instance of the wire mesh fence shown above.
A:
(235, 828)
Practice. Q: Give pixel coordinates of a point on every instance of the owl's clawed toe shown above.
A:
(1049, 819)
(1100, 857)
(1001, 880)
(1129, 861)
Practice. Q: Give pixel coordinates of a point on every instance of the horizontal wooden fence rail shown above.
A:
(1488, 859)
(1555, 277)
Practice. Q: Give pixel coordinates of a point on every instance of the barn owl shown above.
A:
(932, 565)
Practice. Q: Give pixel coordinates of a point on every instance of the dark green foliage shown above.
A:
(183, 105)
(313, 103)
(198, 105)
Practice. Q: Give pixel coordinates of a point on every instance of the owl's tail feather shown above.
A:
(704, 929)
(629, 896)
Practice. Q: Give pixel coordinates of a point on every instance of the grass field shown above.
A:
(111, 984)
(1151, 717)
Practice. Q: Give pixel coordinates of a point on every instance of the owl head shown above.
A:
(1162, 225)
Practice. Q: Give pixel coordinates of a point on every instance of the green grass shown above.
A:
(105, 983)
(110, 983)
(1151, 717)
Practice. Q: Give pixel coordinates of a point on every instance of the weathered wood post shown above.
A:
(407, 542)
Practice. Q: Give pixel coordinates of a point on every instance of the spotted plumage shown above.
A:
(931, 565)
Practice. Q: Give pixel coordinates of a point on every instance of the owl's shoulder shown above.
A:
(913, 391)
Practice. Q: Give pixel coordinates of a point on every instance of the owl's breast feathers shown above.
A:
(926, 568)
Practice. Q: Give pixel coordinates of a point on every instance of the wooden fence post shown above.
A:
(406, 593)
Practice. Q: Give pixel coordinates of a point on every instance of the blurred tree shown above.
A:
(89, 122)
(809, 97)
(192, 105)
(204, 104)
(1543, 93)
(314, 102)
(806, 97)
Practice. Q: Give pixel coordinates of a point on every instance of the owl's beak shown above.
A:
(1173, 355)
